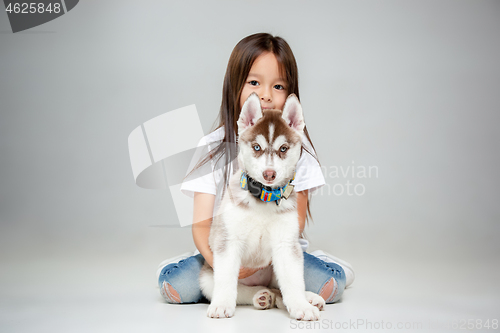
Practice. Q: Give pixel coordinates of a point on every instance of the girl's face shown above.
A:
(265, 80)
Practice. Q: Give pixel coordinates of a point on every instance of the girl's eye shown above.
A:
(253, 83)
(256, 147)
(279, 87)
(283, 149)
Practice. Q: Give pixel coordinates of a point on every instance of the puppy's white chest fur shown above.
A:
(252, 223)
(257, 241)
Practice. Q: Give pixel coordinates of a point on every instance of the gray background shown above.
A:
(411, 87)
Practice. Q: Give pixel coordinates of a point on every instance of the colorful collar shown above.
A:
(265, 193)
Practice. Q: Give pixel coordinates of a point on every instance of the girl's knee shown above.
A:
(324, 278)
(333, 288)
(331, 291)
(178, 282)
(169, 293)
(173, 296)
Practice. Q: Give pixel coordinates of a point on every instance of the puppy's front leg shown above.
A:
(288, 263)
(226, 268)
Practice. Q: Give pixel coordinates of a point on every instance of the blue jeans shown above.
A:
(178, 282)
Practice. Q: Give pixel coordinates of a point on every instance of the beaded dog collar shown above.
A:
(263, 192)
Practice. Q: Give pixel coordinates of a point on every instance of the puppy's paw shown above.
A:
(304, 311)
(220, 311)
(264, 299)
(315, 300)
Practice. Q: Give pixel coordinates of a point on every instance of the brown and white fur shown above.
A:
(251, 233)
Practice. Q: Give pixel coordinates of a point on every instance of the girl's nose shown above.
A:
(266, 98)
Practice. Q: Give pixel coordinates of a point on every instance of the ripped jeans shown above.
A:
(178, 282)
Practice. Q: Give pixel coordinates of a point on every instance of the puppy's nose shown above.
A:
(269, 175)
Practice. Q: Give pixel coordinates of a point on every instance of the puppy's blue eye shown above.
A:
(256, 147)
(283, 149)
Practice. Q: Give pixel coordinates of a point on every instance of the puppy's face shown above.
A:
(270, 141)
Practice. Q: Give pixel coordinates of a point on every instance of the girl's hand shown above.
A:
(246, 272)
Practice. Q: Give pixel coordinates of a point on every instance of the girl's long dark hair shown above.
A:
(238, 67)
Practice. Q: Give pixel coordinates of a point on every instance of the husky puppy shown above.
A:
(257, 221)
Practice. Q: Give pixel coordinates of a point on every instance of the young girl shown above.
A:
(265, 65)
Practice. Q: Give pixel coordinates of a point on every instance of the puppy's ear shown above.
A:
(250, 113)
(292, 113)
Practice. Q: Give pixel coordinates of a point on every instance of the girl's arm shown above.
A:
(203, 211)
(302, 198)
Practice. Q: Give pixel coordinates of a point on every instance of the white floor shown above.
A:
(118, 293)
